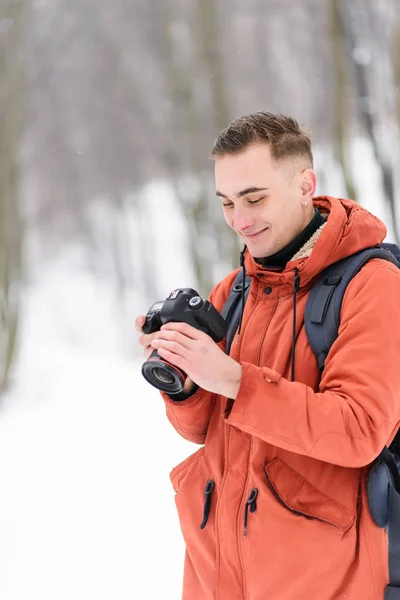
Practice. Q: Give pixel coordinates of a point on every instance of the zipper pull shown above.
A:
(250, 505)
(207, 502)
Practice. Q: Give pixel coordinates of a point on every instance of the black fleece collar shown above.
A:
(281, 258)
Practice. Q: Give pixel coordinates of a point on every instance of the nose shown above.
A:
(242, 220)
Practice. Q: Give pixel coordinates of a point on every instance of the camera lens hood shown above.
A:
(162, 375)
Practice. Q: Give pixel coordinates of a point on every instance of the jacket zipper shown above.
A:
(239, 527)
(266, 329)
(227, 431)
(238, 336)
(239, 524)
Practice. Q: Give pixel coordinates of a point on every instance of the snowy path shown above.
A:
(86, 506)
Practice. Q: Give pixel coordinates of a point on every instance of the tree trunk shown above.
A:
(11, 93)
(366, 118)
(340, 91)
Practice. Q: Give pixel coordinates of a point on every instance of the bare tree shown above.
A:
(11, 100)
(341, 91)
(396, 64)
(350, 16)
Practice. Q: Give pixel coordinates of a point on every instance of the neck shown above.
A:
(281, 258)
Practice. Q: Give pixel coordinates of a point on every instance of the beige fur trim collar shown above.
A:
(306, 250)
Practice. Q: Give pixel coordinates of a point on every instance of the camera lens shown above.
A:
(162, 375)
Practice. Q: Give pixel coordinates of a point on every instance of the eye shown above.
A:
(227, 205)
(256, 201)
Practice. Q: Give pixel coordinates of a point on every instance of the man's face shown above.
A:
(263, 200)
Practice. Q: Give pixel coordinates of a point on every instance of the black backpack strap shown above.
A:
(322, 315)
(322, 319)
(232, 307)
(393, 249)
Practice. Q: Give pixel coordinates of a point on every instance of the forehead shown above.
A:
(251, 167)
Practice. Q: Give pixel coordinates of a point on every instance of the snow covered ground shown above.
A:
(86, 505)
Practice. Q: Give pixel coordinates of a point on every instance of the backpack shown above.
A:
(321, 320)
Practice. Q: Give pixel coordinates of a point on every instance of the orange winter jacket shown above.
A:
(286, 515)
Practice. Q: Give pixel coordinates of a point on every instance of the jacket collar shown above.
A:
(349, 228)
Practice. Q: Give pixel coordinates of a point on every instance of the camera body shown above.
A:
(183, 305)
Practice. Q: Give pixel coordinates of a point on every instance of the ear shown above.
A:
(308, 184)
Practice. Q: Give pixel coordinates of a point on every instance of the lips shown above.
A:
(253, 235)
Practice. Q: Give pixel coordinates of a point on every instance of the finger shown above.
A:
(143, 341)
(171, 346)
(188, 330)
(173, 358)
(175, 336)
(146, 339)
(148, 352)
(139, 322)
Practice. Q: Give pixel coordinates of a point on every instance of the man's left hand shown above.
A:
(198, 355)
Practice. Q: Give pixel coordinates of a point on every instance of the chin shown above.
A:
(260, 253)
(262, 247)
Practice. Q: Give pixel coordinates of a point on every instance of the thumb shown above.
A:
(140, 321)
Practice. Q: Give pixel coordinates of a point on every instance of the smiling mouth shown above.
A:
(254, 234)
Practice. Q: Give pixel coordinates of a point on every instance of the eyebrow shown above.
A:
(249, 190)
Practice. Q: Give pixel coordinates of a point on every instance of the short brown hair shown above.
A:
(286, 138)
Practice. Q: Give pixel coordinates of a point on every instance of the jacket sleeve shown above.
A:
(357, 408)
(190, 417)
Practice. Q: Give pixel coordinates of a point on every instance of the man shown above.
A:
(273, 506)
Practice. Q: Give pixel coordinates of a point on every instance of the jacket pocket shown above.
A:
(180, 472)
(195, 498)
(300, 497)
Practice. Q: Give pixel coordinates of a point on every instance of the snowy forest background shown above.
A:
(108, 111)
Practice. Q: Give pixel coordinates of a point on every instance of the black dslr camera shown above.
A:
(183, 305)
